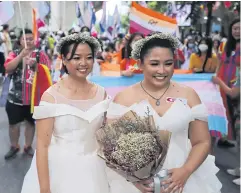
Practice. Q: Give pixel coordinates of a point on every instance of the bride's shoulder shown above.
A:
(123, 102)
(189, 93)
(127, 96)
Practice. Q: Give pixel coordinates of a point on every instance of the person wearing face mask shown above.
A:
(127, 63)
(190, 47)
(204, 60)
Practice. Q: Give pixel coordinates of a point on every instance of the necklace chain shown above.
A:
(157, 99)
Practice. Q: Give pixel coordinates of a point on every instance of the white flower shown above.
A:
(79, 38)
(138, 45)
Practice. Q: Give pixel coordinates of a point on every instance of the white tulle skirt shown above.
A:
(69, 173)
(203, 180)
(73, 173)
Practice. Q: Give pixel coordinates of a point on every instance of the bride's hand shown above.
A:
(144, 186)
(177, 180)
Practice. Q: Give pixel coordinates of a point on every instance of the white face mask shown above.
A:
(203, 47)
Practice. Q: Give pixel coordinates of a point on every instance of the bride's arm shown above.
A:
(199, 136)
(44, 132)
(201, 143)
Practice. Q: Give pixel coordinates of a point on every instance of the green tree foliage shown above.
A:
(125, 21)
(159, 6)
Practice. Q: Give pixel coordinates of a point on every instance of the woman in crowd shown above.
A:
(233, 93)
(205, 60)
(190, 47)
(127, 63)
(229, 60)
(216, 45)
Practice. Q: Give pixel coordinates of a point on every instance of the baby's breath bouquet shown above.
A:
(133, 146)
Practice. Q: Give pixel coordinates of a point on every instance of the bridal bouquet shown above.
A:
(134, 148)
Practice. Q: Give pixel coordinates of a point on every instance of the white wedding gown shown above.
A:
(176, 120)
(74, 166)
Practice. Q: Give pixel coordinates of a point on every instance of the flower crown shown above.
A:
(79, 38)
(138, 45)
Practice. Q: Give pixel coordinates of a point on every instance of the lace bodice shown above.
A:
(75, 120)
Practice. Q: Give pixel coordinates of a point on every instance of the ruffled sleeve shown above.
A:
(199, 112)
(48, 110)
(116, 110)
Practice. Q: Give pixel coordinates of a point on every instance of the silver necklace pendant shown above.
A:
(158, 102)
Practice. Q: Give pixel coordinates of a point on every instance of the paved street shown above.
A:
(12, 172)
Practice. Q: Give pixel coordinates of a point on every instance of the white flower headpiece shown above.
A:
(138, 45)
(79, 38)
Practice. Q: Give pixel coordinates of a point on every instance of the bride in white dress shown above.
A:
(176, 108)
(66, 119)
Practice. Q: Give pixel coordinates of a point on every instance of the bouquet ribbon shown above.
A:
(158, 179)
(157, 183)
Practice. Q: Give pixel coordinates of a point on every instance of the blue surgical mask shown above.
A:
(191, 45)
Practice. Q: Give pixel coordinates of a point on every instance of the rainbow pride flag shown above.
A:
(201, 83)
(145, 20)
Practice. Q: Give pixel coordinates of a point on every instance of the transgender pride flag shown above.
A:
(145, 20)
(201, 83)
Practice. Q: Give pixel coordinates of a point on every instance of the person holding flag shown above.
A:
(28, 70)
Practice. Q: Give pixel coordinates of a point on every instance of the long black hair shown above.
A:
(231, 43)
(126, 51)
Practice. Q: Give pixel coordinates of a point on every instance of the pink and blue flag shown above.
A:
(201, 83)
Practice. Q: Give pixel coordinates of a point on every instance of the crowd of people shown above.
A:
(70, 59)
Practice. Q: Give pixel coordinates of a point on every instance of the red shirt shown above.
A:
(21, 88)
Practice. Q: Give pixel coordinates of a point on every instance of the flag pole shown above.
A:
(22, 25)
(24, 38)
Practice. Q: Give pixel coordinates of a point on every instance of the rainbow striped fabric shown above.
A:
(201, 83)
(145, 20)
